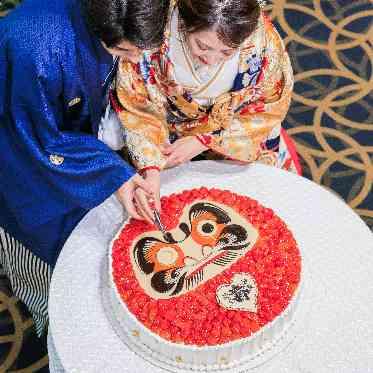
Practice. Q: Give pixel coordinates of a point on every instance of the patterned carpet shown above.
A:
(331, 121)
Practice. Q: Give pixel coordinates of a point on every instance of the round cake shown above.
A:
(220, 288)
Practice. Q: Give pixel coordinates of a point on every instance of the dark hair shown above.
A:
(141, 22)
(233, 20)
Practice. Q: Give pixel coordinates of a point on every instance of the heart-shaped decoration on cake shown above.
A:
(240, 294)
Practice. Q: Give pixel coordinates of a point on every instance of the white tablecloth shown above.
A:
(335, 335)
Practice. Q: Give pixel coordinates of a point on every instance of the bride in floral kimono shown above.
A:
(220, 85)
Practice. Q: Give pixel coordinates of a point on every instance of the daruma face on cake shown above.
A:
(228, 272)
(208, 239)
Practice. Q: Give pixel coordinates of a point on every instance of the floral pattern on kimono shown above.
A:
(243, 124)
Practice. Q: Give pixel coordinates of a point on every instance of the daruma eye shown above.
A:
(167, 255)
(207, 228)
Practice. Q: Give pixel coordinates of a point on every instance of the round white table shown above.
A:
(334, 332)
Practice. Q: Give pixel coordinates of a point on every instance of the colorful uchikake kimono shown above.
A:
(235, 108)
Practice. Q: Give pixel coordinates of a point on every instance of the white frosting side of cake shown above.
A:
(169, 355)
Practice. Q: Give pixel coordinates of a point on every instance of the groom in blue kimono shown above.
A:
(56, 65)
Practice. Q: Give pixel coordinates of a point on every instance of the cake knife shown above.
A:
(158, 222)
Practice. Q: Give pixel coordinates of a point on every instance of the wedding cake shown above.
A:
(220, 288)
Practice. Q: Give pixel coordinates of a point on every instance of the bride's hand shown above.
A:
(145, 205)
(126, 195)
(182, 150)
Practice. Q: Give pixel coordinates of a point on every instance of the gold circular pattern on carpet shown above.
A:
(17, 339)
(331, 118)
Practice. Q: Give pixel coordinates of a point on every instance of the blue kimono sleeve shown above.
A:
(73, 165)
